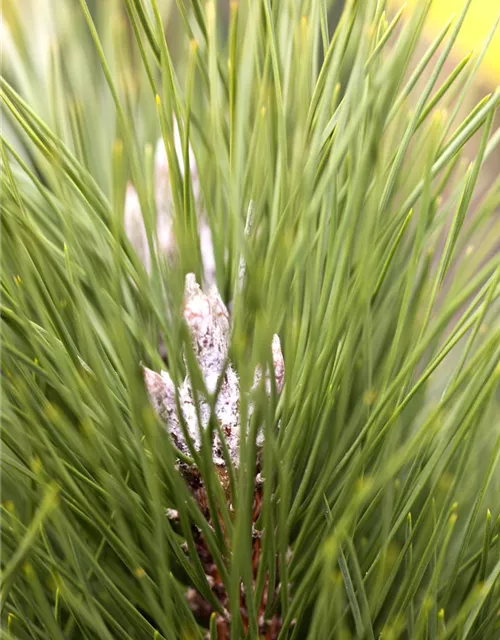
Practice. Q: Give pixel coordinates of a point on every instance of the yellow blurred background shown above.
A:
(481, 17)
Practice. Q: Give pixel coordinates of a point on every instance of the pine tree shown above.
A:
(250, 339)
